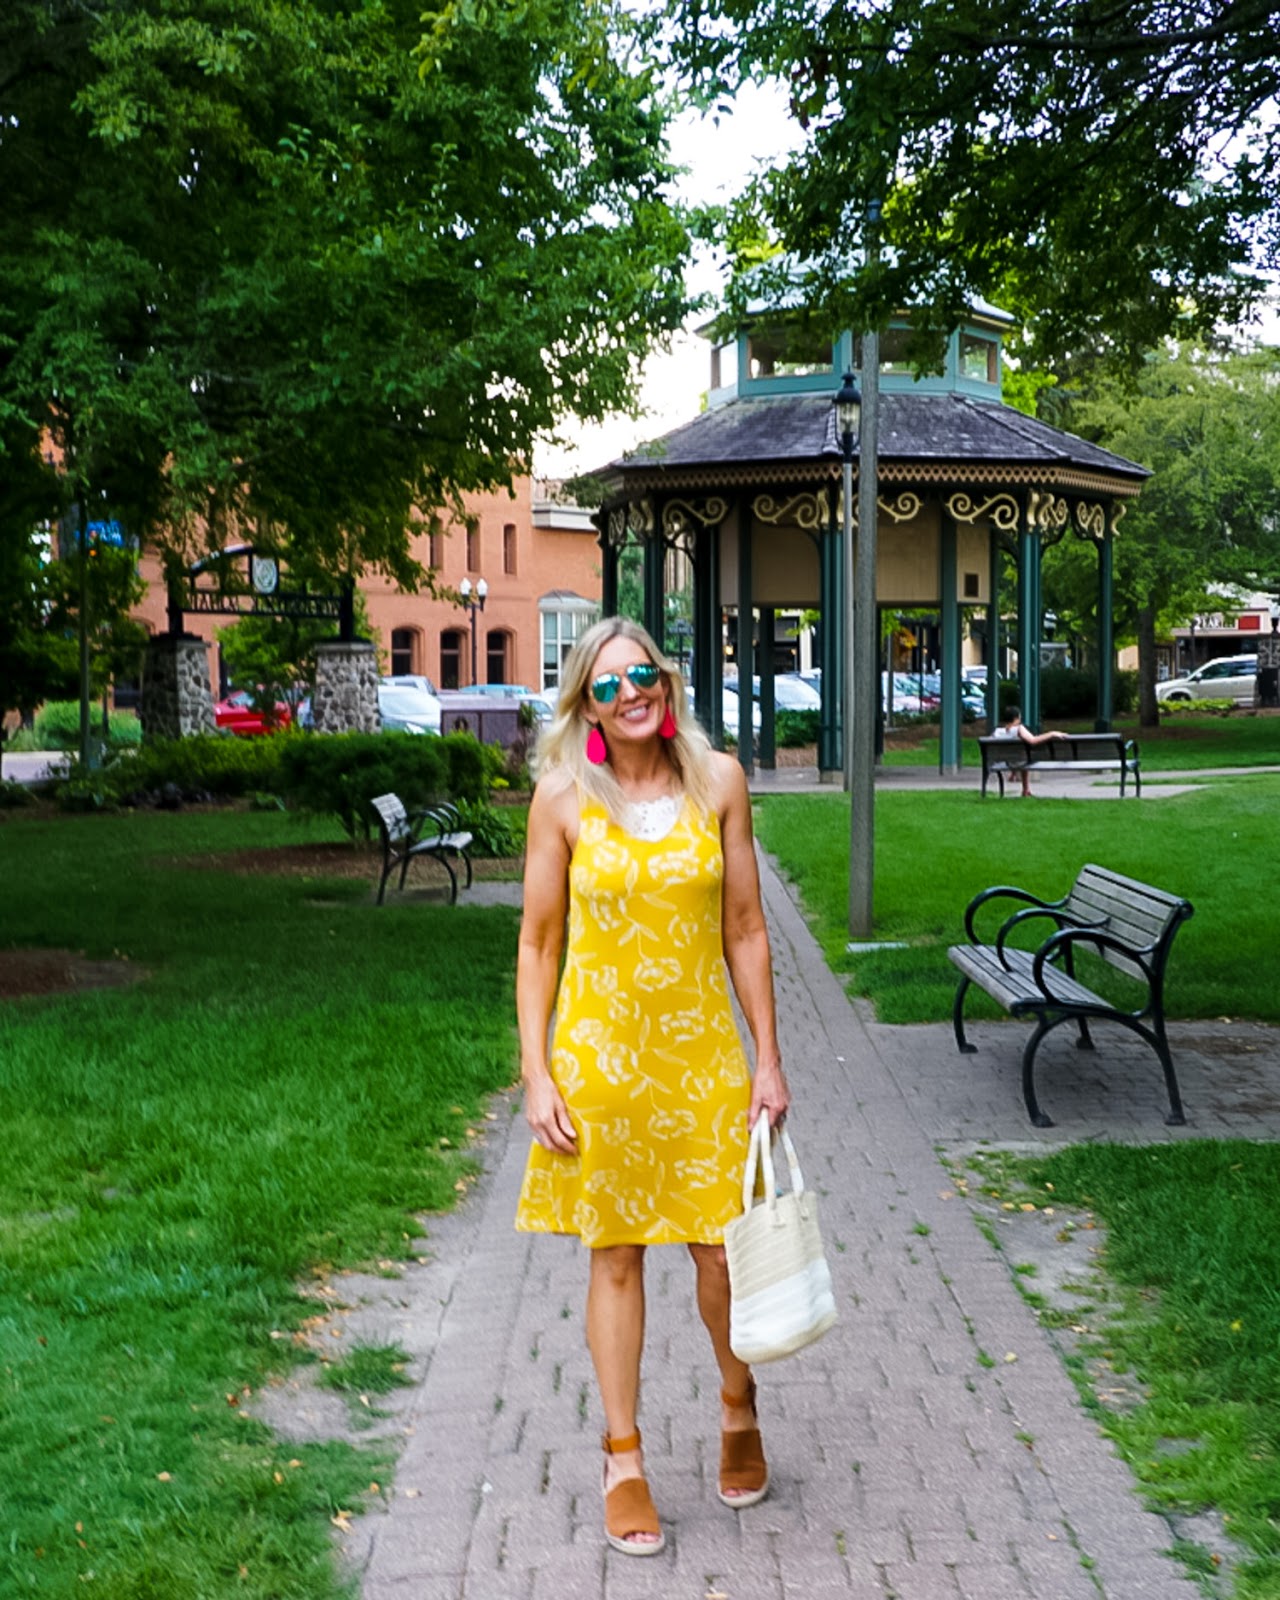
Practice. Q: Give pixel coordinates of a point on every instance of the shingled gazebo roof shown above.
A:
(923, 437)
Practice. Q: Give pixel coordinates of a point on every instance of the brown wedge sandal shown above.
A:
(629, 1509)
(742, 1464)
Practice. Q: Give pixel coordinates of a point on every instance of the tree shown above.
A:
(293, 270)
(1208, 426)
(1108, 170)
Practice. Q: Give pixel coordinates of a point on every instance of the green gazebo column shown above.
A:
(830, 652)
(745, 642)
(995, 572)
(1106, 630)
(608, 564)
(1029, 620)
(655, 600)
(768, 741)
(949, 750)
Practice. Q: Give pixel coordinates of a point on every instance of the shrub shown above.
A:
(1067, 695)
(57, 726)
(795, 728)
(493, 833)
(339, 774)
(13, 795)
(205, 766)
(470, 766)
(1196, 708)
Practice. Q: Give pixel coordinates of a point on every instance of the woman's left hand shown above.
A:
(769, 1094)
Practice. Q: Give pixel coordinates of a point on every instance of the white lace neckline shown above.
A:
(652, 819)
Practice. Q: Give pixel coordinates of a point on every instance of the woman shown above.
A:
(642, 834)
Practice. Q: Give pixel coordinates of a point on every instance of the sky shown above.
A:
(719, 157)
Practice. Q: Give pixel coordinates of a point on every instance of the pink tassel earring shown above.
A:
(597, 750)
(668, 728)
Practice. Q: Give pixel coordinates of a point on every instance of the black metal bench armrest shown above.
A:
(1027, 913)
(1068, 938)
(1008, 891)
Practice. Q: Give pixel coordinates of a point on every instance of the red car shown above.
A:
(238, 714)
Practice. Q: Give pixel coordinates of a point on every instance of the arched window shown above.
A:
(497, 656)
(402, 651)
(452, 646)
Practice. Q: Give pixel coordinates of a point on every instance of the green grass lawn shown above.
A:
(1192, 1261)
(1179, 744)
(288, 1085)
(1219, 847)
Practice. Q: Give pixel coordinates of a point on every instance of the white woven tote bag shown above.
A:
(779, 1281)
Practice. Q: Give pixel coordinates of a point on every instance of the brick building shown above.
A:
(538, 559)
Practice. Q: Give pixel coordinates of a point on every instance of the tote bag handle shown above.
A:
(760, 1160)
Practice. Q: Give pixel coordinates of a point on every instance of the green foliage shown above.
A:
(58, 726)
(1208, 425)
(283, 1092)
(14, 795)
(1029, 151)
(497, 831)
(935, 851)
(338, 775)
(1067, 693)
(470, 765)
(337, 343)
(176, 771)
(795, 728)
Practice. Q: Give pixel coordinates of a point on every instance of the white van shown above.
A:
(1224, 678)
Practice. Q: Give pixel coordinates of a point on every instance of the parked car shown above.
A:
(1224, 678)
(905, 695)
(238, 715)
(729, 708)
(411, 680)
(407, 708)
(791, 693)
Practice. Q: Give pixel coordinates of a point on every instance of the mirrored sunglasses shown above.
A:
(641, 674)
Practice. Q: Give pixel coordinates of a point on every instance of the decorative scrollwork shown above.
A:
(808, 511)
(1091, 519)
(1119, 510)
(616, 527)
(679, 516)
(1047, 513)
(640, 518)
(1001, 510)
(904, 508)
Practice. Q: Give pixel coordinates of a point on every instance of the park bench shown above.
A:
(1072, 752)
(432, 831)
(1128, 924)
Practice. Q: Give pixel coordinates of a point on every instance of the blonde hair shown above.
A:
(563, 744)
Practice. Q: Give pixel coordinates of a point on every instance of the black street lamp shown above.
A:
(473, 597)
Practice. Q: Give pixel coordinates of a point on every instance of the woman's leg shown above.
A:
(615, 1337)
(735, 1376)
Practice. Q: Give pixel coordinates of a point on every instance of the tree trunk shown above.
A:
(1148, 706)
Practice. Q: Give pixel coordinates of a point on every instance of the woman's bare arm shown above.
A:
(553, 817)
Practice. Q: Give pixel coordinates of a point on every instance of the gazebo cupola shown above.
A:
(749, 491)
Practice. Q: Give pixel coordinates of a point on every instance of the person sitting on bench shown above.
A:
(1013, 727)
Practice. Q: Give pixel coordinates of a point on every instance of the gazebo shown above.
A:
(749, 494)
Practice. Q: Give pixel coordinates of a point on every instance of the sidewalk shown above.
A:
(904, 1463)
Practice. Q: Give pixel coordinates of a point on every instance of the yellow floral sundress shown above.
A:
(645, 1050)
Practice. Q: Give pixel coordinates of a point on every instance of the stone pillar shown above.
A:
(346, 697)
(176, 698)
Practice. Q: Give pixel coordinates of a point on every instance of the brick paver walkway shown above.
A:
(904, 1464)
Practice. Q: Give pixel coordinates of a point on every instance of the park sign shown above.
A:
(246, 580)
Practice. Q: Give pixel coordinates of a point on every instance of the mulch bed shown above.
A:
(338, 860)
